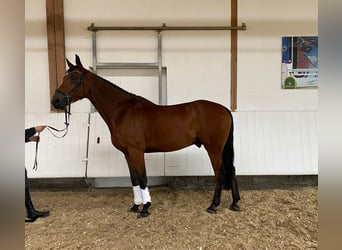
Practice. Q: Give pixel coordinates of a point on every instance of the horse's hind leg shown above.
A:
(216, 200)
(235, 195)
(216, 162)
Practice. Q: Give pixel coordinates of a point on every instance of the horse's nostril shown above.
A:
(55, 102)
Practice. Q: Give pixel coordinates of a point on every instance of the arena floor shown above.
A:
(99, 219)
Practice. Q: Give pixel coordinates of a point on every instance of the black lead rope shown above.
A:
(35, 164)
(67, 113)
(51, 129)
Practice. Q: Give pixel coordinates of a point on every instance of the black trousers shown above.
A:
(26, 180)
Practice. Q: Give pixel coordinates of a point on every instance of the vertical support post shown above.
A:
(160, 69)
(94, 48)
(56, 43)
(233, 55)
(94, 51)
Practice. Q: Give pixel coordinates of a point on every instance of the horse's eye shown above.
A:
(73, 77)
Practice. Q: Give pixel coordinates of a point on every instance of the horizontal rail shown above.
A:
(127, 65)
(94, 28)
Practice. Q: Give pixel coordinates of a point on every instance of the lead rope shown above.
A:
(67, 112)
(35, 164)
(51, 129)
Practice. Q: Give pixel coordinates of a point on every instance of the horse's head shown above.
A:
(72, 87)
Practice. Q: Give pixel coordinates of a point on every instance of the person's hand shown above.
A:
(40, 128)
(34, 138)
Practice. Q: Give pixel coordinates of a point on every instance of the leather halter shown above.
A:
(78, 82)
(67, 112)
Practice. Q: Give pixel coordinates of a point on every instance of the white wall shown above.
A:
(197, 62)
(37, 93)
(193, 58)
(259, 53)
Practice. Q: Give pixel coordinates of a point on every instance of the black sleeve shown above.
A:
(29, 132)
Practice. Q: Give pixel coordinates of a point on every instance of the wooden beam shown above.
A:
(56, 43)
(233, 55)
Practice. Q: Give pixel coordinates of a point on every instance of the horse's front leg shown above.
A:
(136, 164)
(137, 197)
(146, 197)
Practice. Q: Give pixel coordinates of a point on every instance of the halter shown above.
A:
(78, 83)
(68, 96)
(67, 112)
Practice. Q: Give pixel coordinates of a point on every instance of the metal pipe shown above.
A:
(94, 69)
(94, 28)
(127, 65)
(160, 69)
(94, 51)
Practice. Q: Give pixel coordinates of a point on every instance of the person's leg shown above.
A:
(32, 213)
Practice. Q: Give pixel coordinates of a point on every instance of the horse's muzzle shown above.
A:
(59, 101)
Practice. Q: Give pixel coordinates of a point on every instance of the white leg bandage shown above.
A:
(145, 194)
(137, 195)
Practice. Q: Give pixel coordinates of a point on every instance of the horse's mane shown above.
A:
(113, 85)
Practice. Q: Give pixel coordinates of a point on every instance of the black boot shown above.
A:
(32, 213)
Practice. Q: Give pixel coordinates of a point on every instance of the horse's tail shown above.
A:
(227, 172)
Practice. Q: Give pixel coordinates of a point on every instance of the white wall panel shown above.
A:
(191, 161)
(58, 157)
(276, 143)
(104, 159)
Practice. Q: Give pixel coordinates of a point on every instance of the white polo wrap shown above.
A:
(145, 194)
(137, 195)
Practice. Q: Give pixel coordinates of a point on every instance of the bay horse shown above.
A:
(138, 126)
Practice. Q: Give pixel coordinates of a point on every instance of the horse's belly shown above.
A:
(169, 143)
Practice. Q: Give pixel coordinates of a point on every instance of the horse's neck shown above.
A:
(107, 99)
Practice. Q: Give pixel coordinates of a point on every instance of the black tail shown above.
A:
(227, 172)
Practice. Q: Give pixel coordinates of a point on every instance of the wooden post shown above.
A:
(56, 43)
(233, 55)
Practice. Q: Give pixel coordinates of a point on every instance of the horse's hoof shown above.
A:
(135, 209)
(143, 214)
(211, 210)
(234, 207)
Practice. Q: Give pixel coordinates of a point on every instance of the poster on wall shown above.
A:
(299, 68)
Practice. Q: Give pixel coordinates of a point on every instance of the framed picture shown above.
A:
(299, 68)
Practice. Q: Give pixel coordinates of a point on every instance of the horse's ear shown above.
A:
(78, 61)
(71, 66)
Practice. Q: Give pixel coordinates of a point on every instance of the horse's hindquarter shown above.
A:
(215, 124)
(177, 126)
